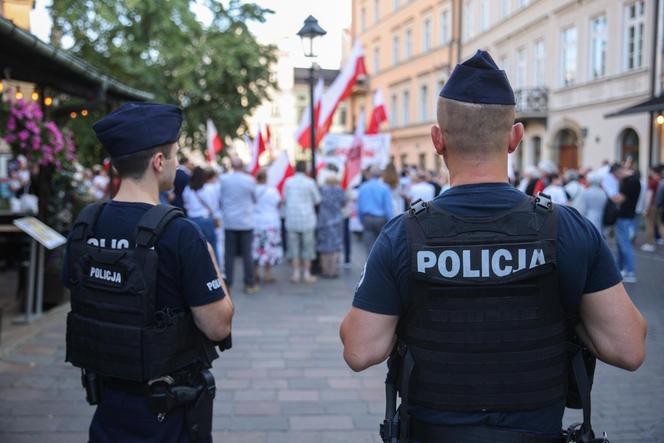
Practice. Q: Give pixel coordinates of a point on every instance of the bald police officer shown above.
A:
(147, 302)
(482, 288)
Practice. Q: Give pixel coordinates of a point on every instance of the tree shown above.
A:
(215, 70)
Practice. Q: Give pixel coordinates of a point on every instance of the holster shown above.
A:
(90, 383)
(198, 414)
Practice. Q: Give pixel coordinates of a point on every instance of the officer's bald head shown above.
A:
(475, 129)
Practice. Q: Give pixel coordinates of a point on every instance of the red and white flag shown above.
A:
(353, 167)
(257, 148)
(268, 140)
(302, 135)
(279, 171)
(214, 142)
(378, 114)
(340, 89)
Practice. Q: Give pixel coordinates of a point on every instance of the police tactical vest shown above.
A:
(113, 328)
(483, 321)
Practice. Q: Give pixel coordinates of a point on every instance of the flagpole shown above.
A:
(312, 126)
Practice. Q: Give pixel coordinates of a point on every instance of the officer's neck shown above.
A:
(138, 191)
(473, 172)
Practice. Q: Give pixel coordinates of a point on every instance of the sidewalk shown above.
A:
(285, 379)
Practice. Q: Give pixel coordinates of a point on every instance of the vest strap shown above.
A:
(430, 433)
(153, 222)
(85, 222)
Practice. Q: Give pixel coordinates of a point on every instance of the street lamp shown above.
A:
(309, 32)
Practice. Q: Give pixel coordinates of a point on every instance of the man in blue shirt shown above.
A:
(142, 141)
(478, 293)
(374, 206)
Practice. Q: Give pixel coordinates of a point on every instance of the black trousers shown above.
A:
(239, 242)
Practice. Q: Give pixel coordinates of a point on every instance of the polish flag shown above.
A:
(214, 142)
(353, 168)
(303, 133)
(378, 114)
(268, 140)
(257, 148)
(279, 171)
(340, 89)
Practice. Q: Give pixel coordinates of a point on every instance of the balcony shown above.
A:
(531, 103)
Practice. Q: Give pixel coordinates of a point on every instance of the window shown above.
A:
(394, 102)
(395, 49)
(408, 44)
(405, 118)
(444, 27)
(520, 75)
(504, 64)
(404, 161)
(485, 15)
(538, 70)
(598, 41)
(424, 103)
(634, 25)
(468, 14)
(426, 36)
(568, 56)
(422, 161)
(537, 150)
(376, 59)
(504, 8)
(395, 5)
(376, 11)
(363, 19)
(521, 3)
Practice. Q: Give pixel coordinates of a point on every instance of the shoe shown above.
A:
(647, 247)
(309, 279)
(294, 279)
(268, 280)
(628, 277)
(660, 241)
(251, 289)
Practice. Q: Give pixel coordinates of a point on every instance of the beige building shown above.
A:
(571, 63)
(410, 48)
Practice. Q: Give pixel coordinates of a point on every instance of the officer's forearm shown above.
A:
(585, 339)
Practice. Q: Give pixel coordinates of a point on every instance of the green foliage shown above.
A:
(218, 71)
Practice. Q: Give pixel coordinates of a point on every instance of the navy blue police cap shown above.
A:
(135, 127)
(479, 80)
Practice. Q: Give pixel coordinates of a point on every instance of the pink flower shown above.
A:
(23, 135)
(11, 123)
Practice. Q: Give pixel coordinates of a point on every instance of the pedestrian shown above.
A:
(238, 200)
(301, 197)
(391, 179)
(481, 283)
(330, 233)
(201, 200)
(573, 188)
(147, 304)
(182, 176)
(593, 201)
(630, 188)
(555, 189)
(374, 206)
(267, 247)
(650, 210)
(100, 182)
(421, 189)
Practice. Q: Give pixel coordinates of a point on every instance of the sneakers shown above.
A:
(647, 247)
(628, 277)
(309, 279)
(251, 289)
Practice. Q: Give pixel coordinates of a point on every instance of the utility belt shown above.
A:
(400, 427)
(194, 390)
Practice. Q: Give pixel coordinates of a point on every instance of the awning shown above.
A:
(654, 104)
(25, 57)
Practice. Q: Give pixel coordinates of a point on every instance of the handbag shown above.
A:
(610, 213)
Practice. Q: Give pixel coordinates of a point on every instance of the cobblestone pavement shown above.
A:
(285, 380)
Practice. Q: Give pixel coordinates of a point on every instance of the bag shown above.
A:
(216, 220)
(610, 213)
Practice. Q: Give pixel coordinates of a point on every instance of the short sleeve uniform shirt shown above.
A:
(585, 265)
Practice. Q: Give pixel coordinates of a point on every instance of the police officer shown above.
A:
(147, 302)
(481, 288)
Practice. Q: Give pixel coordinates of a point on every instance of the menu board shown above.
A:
(42, 233)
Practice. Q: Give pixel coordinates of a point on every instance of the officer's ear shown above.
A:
(437, 139)
(516, 134)
(158, 160)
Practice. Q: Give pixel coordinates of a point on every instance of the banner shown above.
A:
(375, 149)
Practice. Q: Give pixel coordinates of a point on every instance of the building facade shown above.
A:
(410, 48)
(570, 62)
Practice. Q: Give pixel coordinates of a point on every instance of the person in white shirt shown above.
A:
(301, 197)
(201, 201)
(238, 199)
(555, 190)
(267, 247)
(421, 189)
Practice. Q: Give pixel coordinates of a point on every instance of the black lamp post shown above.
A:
(308, 34)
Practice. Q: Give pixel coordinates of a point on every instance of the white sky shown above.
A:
(280, 27)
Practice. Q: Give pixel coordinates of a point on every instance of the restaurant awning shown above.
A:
(654, 104)
(24, 57)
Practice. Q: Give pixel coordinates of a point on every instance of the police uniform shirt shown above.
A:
(585, 265)
(185, 277)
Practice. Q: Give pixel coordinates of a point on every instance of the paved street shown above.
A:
(285, 380)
